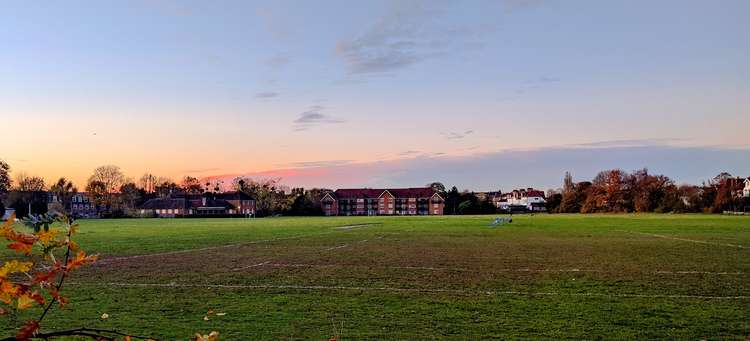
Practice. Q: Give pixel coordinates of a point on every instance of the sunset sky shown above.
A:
(480, 94)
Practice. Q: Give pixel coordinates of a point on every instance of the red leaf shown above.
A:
(28, 330)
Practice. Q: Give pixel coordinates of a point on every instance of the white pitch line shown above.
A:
(664, 272)
(177, 252)
(417, 290)
(489, 271)
(337, 247)
(688, 240)
(251, 266)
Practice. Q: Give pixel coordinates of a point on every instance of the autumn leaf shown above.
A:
(46, 237)
(79, 260)
(27, 300)
(21, 247)
(28, 330)
(213, 336)
(14, 266)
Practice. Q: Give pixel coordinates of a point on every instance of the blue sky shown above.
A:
(240, 87)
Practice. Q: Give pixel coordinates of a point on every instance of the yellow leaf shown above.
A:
(14, 266)
(105, 316)
(45, 237)
(25, 301)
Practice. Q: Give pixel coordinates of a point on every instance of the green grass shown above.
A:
(544, 276)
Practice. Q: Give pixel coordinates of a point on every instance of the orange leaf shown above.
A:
(21, 247)
(79, 260)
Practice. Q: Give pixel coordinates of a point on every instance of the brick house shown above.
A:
(390, 201)
(207, 204)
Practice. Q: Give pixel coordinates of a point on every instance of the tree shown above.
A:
(97, 190)
(165, 187)
(554, 200)
(191, 185)
(27, 183)
(5, 181)
(64, 190)
(131, 196)
(438, 187)
(269, 199)
(107, 181)
(147, 182)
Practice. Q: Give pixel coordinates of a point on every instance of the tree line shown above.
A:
(639, 191)
(116, 195)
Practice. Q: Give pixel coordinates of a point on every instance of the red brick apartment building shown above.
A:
(391, 201)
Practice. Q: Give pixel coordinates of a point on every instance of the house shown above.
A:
(390, 201)
(204, 205)
(746, 190)
(8, 212)
(82, 205)
(527, 199)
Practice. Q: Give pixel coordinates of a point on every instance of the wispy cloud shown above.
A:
(409, 153)
(313, 117)
(629, 143)
(316, 164)
(457, 135)
(200, 170)
(409, 32)
(278, 61)
(266, 95)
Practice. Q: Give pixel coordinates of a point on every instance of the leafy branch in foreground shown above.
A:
(37, 279)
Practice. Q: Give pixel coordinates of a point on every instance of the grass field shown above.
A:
(543, 276)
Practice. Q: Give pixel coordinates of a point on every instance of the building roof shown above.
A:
(422, 192)
(374, 193)
(164, 203)
(355, 193)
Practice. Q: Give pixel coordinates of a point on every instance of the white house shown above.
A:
(531, 199)
(8, 213)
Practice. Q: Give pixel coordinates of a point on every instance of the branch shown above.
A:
(62, 277)
(94, 333)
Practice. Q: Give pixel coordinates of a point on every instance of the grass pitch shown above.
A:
(543, 276)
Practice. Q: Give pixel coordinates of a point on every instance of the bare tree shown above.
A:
(148, 182)
(27, 183)
(108, 179)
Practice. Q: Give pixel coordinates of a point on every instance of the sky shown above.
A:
(483, 95)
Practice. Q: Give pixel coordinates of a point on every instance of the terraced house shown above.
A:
(204, 205)
(390, 201)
